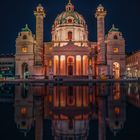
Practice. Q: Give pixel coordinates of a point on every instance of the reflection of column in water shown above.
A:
(38, 105)
(136, 88)
(102, 91)
(23, 108)
(101, 118)
(129, 88)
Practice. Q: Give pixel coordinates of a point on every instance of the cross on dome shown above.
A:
(69, 1)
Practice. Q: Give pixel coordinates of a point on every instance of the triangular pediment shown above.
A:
(70, 47)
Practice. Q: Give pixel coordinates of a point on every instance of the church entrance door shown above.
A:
(70, 70)
(116, 70)
(25, 72)
(70, 65)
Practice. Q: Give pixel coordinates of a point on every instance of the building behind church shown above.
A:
(133, 65)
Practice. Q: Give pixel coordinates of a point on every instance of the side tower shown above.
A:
(101, 67)
(24, 56)
(115, 53)
(40, 15)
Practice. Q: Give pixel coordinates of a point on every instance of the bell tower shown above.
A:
(40, 15)
(24, 56)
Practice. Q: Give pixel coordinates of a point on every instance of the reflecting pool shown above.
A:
(93, 111)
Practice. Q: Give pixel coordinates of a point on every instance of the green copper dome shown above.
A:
(64, 17)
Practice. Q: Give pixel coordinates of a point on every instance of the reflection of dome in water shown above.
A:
(69, 25)
(71, 129)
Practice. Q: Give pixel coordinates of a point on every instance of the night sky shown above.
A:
(125, 14)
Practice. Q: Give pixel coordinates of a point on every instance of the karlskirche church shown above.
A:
(70, 53)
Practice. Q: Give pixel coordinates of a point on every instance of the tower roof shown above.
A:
(26, 29)
(39, 11)
(114, 29)
(100, 6)
(100, 11)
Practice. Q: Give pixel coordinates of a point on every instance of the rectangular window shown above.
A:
(24, 49)
(116, 50)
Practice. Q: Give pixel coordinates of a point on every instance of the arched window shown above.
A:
(55, 37)
(116, 50)
(116, 70)
(24, 49)
(69, 35)
(84, 37)
(25, 71)
(115, 37)
(69, 20)
(25, 37)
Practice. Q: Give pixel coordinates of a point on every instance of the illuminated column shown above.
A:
(59, 64)
(62, 65)
(100, 15)
(40, 15)
(78, 65)
(56, 64)
(90, 66)
(52, 66)
(85, 65)
(66, 65)
(75, 65)
(82, 65)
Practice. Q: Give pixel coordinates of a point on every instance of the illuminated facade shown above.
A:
(133, 65)
(7, 66)
(70, 53)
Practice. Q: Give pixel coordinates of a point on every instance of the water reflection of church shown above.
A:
(70, 109)
(72, 118)
(70, 53)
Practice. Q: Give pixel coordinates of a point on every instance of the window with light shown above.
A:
(116, 50)
(24, 49)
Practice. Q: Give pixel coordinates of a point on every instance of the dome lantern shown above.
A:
(69, 6)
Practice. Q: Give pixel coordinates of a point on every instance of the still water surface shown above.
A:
(40, 111)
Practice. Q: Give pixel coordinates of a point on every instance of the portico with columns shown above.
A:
(70, 60)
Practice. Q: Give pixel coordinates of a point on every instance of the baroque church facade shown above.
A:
(70, 53)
